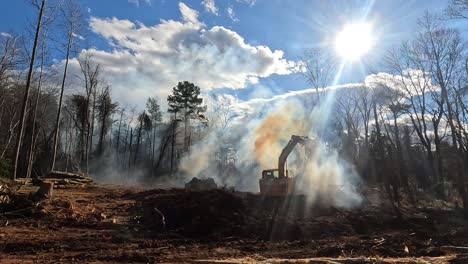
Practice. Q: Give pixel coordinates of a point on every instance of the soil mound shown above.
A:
(194, 213)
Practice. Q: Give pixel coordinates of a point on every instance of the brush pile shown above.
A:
(4, 194)
(12, 201)
(201, 184)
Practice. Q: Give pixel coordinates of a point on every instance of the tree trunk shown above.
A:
(118, 135)
(186, 124)
(173, 142)
(26, 92)
(57, 122)
(403, 179)
(152, 151)
(32, 147)
(439, 169)
(130, 152)
(93, 112)
(125, 147)
(104, 115)
(102, 134)
(10, 136)
(137, 148)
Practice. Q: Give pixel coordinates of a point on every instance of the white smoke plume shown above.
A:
(258, 139)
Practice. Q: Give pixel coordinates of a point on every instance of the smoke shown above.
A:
(258, 138)
(112, 169)
(274, 131)
(327, 179)
(108, 169)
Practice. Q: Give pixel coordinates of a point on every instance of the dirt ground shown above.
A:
(116, 224)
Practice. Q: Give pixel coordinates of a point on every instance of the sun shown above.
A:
(354, 41)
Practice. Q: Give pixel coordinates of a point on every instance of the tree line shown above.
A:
(45, 127)
(407, 128)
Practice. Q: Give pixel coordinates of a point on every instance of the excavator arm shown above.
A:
(283, 185)
(286, 151)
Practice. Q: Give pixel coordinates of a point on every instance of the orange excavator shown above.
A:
(276, 182)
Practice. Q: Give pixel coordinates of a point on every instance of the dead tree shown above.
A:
(34, 115)
(90, 73)
(320, 67)
(72, 17)
(26, 92)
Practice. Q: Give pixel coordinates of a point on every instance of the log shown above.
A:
(64, 180)
(454, 249)
(65, 175)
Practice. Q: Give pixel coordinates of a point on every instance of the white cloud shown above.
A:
(188, 15)
(249, 2)
(6, 35)
(138, 2)
(411, 82)
(232, 14)
(78, 36)
(210, 6)
(150, 60)
(256, 104)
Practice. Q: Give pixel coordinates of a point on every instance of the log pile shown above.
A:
(62, 179)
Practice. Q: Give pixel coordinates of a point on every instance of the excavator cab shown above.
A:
(270, 174)
(276, 182)
(272, 185)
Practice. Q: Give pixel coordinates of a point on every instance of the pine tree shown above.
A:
(186, 100)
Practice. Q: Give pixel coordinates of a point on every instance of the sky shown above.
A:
(248, 48)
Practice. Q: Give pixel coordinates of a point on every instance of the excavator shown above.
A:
(276, 182)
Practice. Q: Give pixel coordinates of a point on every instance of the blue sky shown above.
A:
(291, 27)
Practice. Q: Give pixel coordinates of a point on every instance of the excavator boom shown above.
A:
(286, 151)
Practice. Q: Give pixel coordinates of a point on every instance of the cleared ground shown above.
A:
(115, 224)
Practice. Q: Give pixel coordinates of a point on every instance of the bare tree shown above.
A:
(416, 86)
(90, 72)
(364, 106)
(457, 9)
(26, 93)
(320, 67)
(348, 111)
(444, 49)
(10, 58)
(72, 18)
(117, 141)
(34, 112)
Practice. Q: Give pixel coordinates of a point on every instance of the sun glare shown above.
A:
(354, 41)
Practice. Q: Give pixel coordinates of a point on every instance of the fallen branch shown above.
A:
(454, 249)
